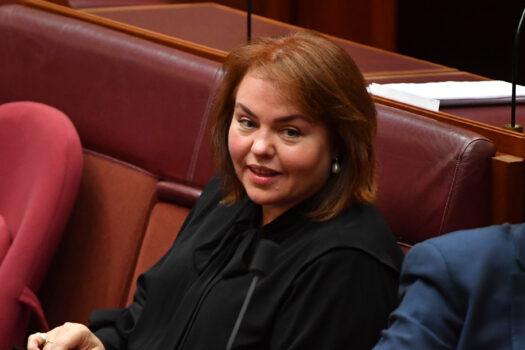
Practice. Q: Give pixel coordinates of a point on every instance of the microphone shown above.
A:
(262, 263)
(515, 62)
(249, 21)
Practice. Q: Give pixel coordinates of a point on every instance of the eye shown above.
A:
(291, 132)
(246, 123)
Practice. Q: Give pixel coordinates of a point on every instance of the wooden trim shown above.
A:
(61, 2)
(177, 43)
(378, 76)
(508, 189)
(95, 10)
(411, 73)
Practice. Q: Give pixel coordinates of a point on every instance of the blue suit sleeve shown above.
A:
(430, 314)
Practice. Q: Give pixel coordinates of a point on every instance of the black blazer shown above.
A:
(332, 287)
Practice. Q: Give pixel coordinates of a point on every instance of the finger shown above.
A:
(55, 339)
(68, 336)
(35, 341)
(51, 345)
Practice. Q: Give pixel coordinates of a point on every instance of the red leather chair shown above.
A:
(433, 178)
(40, 169)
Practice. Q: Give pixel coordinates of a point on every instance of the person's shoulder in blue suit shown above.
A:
(464, 290)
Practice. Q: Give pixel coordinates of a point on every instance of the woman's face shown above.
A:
(280, 155)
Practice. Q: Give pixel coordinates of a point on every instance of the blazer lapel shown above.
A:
(518, 290)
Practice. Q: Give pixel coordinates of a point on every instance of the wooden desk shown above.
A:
(223, 28)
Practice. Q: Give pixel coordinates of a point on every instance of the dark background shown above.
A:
(475, 36)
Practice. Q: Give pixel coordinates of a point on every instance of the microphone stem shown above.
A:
(244, 307)
(249, 22)
(515, 70)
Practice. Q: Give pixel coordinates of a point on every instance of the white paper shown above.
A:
(385, 91)
(451, 93)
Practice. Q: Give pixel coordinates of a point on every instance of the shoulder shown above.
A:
(209, 213)
(362, 229)
(464, 256)
(210, 193)
(346, 273)
(209, 199)
(344, 262)
(478, 242)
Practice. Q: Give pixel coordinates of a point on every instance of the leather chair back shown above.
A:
(433, 178)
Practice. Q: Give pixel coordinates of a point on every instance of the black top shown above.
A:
(332, 286)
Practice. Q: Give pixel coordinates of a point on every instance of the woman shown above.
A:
(292, 132)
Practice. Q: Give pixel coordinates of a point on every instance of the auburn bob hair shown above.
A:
(323, 81)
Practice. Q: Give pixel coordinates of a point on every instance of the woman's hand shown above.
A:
(66, 337)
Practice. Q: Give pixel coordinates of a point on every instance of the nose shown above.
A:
(263, 145)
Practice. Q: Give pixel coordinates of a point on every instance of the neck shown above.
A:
(270, 213)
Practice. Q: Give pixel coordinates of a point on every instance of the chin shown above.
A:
(262, 198)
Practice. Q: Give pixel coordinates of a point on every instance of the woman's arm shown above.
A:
(339, 301)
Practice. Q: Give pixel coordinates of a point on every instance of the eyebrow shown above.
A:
(283, 119)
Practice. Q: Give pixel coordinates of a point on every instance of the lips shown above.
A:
(262, 171)
(261, 176)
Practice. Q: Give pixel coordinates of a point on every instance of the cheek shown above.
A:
(307, 160)
(235, 146)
